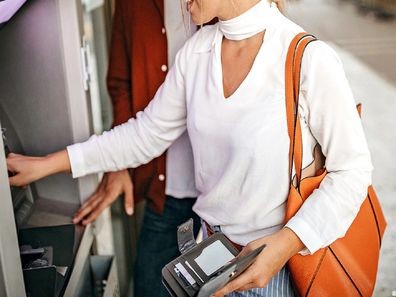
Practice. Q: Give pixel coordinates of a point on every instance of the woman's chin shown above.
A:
(196, 20)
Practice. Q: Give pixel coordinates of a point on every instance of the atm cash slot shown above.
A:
(47, 258)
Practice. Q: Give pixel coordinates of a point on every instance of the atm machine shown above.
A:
(51, 95)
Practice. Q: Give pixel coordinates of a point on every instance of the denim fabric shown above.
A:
(279, 286)
(157, 244)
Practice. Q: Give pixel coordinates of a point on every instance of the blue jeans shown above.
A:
(157, 244)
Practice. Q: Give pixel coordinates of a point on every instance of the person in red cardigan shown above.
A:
(145, 38)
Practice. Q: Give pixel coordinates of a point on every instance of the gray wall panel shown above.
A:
(11, 279)
(33, 91)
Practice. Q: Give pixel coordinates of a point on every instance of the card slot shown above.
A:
(187, 289)
(173, 282)
(191, 291)
(194, 266)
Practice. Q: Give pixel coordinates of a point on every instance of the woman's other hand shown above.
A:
(110, 188)
(26, 169)
(280, 247)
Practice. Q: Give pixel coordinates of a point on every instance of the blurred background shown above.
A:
(53, 64)
(363, 32)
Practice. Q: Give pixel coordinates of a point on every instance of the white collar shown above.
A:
(267, 16)
(249, 23)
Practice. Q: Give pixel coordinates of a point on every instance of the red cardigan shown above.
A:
(138, 53)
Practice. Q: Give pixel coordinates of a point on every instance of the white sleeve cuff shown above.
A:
(306, 234)
(76, 158)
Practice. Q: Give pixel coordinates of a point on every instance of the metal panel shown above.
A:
(82, 255)
(112, 288)
(33, 93)
(72, 36)
(11, 279)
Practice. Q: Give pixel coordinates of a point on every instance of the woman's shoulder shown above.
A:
(200, 42)
(202, 39)
(318, 49)
(321, 52)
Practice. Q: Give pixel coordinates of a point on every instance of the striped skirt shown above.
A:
(279, 286)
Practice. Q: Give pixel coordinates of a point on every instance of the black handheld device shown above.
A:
(204, 267)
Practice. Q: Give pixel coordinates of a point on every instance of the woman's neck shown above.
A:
(249, 23)
(234, 8)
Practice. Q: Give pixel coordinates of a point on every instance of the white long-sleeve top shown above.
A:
(240, 144)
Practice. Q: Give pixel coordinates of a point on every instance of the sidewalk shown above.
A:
(368, 51)
(379, 107)
(370, 39)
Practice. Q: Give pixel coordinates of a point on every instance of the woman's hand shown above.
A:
(110, 188)
(280, 247)
(27, 169)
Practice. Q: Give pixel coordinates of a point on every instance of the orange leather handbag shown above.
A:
(348, 267)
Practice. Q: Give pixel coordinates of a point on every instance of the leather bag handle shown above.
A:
(292, 89)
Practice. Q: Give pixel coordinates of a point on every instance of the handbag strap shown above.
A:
(292, 89)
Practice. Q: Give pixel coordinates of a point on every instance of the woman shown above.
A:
(227, 89)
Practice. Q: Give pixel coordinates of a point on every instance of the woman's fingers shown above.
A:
(246, 250)
(111, 187)
(11, 164)
(16, 181)
(13, 155)
(86, 208)
(91, 199)
(251, 278)
(247, 287)
(265, 266)
(96, 212)
(25, 169)
(241, 281)
(90, 203)
(19, 179)
(128, 199)
(94, 208)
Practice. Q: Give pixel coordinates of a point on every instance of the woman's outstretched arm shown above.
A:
(126, 146)
(27, 169)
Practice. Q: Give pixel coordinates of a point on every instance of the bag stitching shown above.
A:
(376, 219)
(343, 268)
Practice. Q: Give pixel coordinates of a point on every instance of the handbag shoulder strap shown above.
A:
(292, 90)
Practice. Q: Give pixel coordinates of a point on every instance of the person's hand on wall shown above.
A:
(110, 188)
